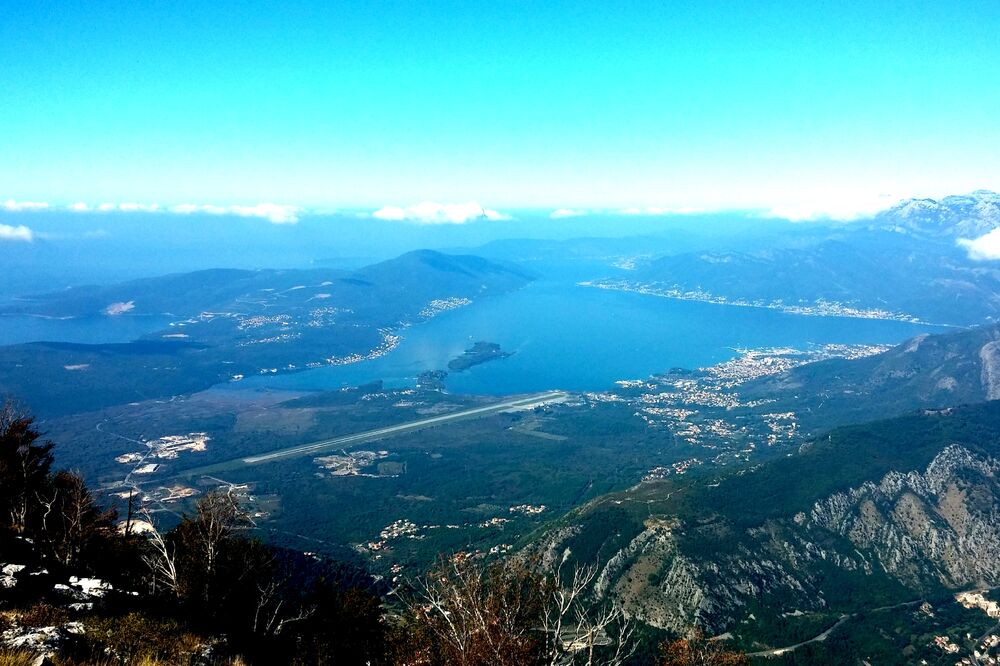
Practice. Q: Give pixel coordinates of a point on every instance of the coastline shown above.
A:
(820, 309)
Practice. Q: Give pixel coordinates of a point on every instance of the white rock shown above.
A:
(93, 587)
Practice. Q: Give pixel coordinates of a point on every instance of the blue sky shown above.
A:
(793, 106)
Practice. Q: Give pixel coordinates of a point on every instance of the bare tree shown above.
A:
(65, 515)
(217, 514)
(24, 466)
(576, 628)
(201, 540)
(480, 614)
(185, 560)
(47, 499)
(160, 556)
(272, 612)
(507, 613)
(77, 519)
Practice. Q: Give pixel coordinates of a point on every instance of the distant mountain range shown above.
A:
(906, 262)
(963, 216)
(415, 276)
(235, 323)
(882, 492)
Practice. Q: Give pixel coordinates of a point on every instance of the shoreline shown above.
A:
(804, 311)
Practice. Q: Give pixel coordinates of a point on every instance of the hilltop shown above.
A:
(234, 323)
(928, 371)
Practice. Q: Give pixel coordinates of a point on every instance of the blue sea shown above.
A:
(101, 329)
(561, 336)
(565, 336)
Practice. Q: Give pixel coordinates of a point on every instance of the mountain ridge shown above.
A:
(240, 323)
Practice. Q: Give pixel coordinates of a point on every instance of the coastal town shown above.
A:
(439, 305)
(704, 408)
(817, 308)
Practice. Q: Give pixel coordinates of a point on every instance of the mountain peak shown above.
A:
(956, 216)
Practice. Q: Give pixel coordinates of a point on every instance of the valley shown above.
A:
(499, 333)
(792, 477)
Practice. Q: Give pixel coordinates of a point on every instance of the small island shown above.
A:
(432, 380)
(481, 352)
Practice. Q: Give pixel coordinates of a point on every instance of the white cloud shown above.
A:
(138, 207)
(274, 213)
(430, 212)
(984, 248)
(18, 206)
(561, 213)
(660, 210)
(126, 207)
(187, 209)
(19, 233)
(78, 235)
(842, 207)
(809, 212)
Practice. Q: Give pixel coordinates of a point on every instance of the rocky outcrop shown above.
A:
(989, 356)
(941, 526)
(44, 643)
(927, 529)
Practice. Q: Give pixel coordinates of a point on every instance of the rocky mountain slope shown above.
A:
(870, 516)
(928, 371)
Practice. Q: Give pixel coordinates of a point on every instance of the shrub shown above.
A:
(43, 615)
(16, 658)
(135, 639)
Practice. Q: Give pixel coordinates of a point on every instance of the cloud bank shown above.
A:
(430, 212)
(18, 233)
(18, 206)
(660, 210)
(984, 248)
(824, 206)
(272, 212)
(127, 207)
(563, 213)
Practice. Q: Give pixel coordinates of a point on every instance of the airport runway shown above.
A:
(380, 433)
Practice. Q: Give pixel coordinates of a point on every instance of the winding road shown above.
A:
(777, 652)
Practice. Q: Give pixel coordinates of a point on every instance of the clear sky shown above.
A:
(575, 104)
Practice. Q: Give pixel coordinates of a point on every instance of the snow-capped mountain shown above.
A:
(963, 216)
